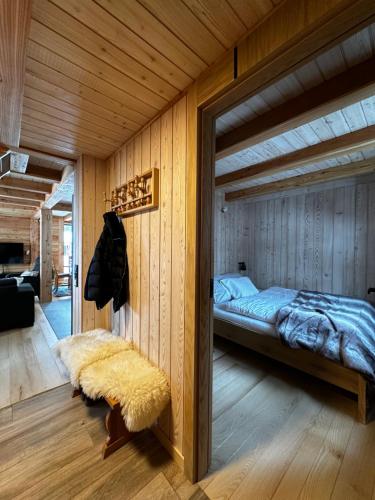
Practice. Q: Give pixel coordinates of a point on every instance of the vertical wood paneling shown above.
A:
(123, 176)
(136, 280)
(166, 190)
(129, 225)
(322, 239)
(145, 254)
(178, 270)
(90, 183)
(154, 318)
(155, 254)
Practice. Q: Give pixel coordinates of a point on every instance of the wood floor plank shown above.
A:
(157, 489)
(28, 364)
(290, 436)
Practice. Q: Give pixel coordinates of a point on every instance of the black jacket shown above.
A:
(108, 275)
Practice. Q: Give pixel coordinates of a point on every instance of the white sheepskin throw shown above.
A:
(83, 349)
(105, 365)
(141, 389)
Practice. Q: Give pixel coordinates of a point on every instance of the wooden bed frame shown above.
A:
(305, 361)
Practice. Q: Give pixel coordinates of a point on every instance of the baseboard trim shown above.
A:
(173, 452)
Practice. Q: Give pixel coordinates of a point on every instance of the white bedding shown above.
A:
(244, 322)
(263, 306)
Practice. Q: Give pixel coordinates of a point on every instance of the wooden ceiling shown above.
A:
(97, 71)
(320, 117)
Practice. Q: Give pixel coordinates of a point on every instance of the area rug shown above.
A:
(58, 314)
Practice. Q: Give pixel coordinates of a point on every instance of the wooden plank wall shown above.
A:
(319, 240)
(90, 185)
(154, 317)
(16, 230)
(34, 239)
(58, 243)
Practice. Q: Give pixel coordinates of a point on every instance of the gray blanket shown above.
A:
(339, 328)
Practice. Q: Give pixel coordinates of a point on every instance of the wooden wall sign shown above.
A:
(137, 195)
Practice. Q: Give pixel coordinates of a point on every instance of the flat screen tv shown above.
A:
(11, 253)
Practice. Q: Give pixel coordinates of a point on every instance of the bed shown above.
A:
(252, 322)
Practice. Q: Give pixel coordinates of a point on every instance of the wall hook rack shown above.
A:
(137, 195)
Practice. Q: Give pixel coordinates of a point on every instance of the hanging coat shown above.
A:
(108, 275)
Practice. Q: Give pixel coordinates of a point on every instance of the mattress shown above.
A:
(254, 325)
(263, 306)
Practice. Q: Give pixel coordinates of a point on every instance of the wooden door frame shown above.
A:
(200, 185)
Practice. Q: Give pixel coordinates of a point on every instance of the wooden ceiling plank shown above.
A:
(137, 96)
(342, 90)
(69, 100)
(19, 202)
(25, 184)
(46, 145)
(183, 23)
(35, 118)
(16, 193)
(75, 84)
(49, 174)
(54, 138)
(110, 28)
(15, 18)
(221, 20)
(87, 121)
(329, 174)
(139, 20)
(355, 141)
(251, 12)
(76, 32)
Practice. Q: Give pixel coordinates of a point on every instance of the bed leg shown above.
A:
(362, 400)
(118, 434)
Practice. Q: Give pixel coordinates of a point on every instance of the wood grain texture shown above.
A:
(301, 441)
(29, 365)
(316, 239)
(90, 184)
(45, 255)
(14, 29)
(154, 316)
(61, 456)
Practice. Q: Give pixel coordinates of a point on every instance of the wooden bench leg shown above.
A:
(118, 434)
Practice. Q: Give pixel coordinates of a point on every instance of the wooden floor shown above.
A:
(50, 448)
(28, 365)
(280, 434)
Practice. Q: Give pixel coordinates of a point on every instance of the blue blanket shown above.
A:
(339, 328)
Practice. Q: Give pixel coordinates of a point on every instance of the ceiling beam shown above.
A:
(329, 174)
(25, 184)
(361, 139)
(16, 193)
(20, 202)
(65, 161)
(62, 191)
(14, 29)
(49, 174)
(63, 207)
(342, 90)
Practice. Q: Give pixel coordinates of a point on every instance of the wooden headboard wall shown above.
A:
(317, 239)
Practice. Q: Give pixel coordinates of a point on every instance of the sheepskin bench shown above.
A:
(101, 365)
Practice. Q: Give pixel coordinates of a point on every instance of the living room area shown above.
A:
(35, 277)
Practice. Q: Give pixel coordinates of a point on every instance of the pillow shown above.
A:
(221, 294)
(30, 273)
(239, 287)
(19, 280)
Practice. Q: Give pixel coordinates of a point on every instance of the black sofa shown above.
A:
(16, 305)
